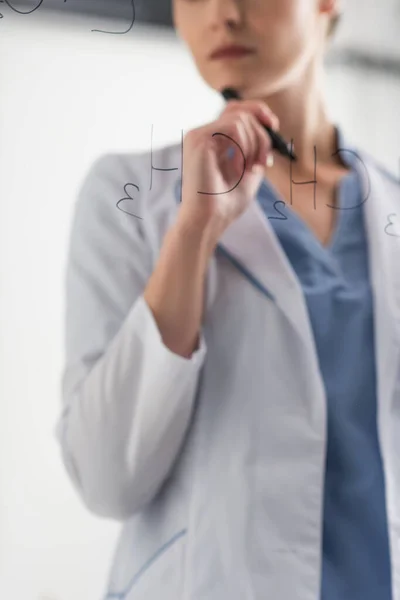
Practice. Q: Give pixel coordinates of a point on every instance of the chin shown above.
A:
(240, 79)
(250, 82)
(248, 87)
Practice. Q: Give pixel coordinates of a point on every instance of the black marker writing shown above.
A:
(28, 12)
(390, 225)
(282, 217)
(369, 182)
(128, 198)
(127, 30)
(314, 181)
(241, 177)
(23, 12)
(153, 168)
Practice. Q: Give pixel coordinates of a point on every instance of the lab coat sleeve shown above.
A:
(127, 399)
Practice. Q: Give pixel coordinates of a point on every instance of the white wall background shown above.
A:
(66, 96)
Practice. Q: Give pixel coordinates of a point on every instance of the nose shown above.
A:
(226, 13)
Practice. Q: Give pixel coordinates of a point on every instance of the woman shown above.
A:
(232, 379)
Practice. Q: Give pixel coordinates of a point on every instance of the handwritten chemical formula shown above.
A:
(391, 226)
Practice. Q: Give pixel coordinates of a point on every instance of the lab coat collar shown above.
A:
(382, 209)
(250, 243)
(253, 246)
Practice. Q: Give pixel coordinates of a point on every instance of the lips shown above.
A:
(231, 51)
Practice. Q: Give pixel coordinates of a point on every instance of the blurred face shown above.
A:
(284, 35)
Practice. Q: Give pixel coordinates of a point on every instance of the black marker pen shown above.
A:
(277, 141)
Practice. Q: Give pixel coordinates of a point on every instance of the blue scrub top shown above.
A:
(336, 286)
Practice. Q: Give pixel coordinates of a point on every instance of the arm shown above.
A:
(175, 291)
(131, 374)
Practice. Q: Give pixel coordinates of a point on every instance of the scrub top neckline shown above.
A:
(329, 247)
(339, 224)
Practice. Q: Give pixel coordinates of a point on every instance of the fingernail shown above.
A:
(270, 160)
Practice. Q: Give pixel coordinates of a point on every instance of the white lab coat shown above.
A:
(214, 463)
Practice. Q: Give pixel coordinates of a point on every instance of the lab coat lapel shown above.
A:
(383, 197)
(252, 244)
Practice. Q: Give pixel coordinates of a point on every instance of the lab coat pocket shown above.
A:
(160, 576)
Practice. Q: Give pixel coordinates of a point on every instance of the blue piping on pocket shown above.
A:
(233, 260)
(164, 547)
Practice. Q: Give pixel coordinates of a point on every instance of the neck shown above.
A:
(304, 122)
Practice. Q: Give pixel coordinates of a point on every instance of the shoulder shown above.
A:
(380, 169)
(137, 183)
(149, 170)
(370, 162)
